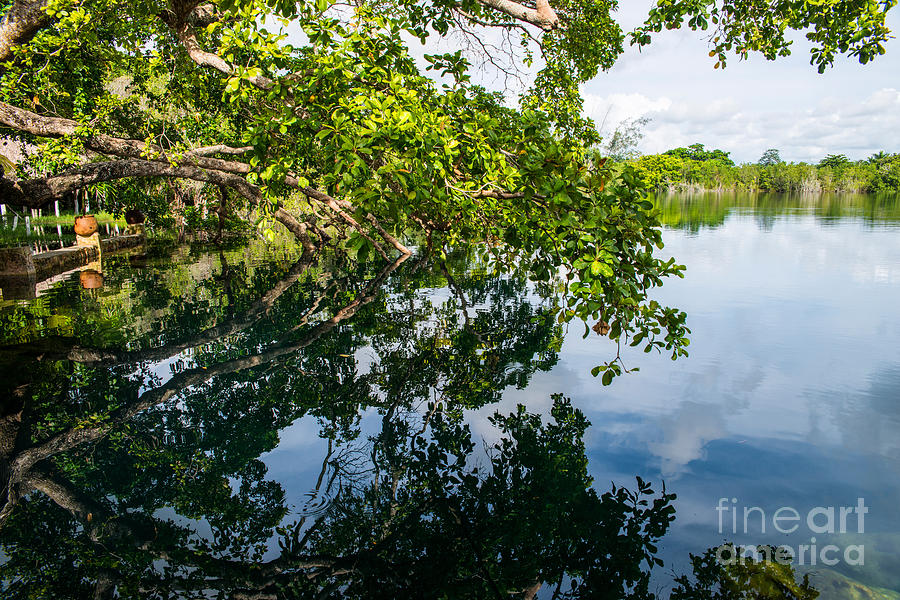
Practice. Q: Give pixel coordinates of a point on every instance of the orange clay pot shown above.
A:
(85, 225)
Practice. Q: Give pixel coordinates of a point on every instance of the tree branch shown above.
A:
(542, 16)
(20, 23)
(188, 40)
(150, 160)
(335, 207)
(218, 149)
(296, 227)
(56, 127)
(34, 193)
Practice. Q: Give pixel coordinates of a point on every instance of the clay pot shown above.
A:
(133, 216)
(91, 279)
(85, 225)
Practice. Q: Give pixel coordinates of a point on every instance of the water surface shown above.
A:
(210, 405)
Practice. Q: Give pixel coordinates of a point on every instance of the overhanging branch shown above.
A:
(56, 127)
(149, 160)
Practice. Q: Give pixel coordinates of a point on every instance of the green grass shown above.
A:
(17, 236)
(69, 219)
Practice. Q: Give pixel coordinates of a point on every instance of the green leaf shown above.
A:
(607, 377)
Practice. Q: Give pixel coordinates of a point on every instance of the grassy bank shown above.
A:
(43, 230)
(69, 219)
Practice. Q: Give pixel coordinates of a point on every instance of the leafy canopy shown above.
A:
(855, 28)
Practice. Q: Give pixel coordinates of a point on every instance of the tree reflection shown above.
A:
(741, 577)
(137, 472)
(691, 211)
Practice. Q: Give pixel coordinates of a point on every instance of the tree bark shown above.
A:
(188, 40)
(542, 16)
(20, 23)
(296, 227)
(35, 193)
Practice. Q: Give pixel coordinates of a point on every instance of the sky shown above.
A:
(753, 105)
(744, 109)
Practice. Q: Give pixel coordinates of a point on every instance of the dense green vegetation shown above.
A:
(696, 168)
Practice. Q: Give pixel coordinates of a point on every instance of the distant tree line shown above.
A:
(695, 167)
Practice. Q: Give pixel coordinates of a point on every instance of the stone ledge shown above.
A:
(16, 261)
(47, 264)
(19, 267)
(121, 242)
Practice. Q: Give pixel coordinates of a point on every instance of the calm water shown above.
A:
(245, 419)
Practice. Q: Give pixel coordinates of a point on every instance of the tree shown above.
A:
(878, 157)
(769, 158)
(832, 27)
(698, 153)
(348, 129)
(623, 143)
(834, 161)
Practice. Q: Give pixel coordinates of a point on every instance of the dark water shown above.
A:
(251, 422)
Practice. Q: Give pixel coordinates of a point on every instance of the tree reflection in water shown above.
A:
(136, 472)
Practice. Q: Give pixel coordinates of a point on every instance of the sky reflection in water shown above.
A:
(791, 395)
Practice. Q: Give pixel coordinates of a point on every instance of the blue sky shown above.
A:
(753, 105)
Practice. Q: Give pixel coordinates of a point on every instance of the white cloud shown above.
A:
(609, 111)
(685, 435)
(755, 104)
(831, 126)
